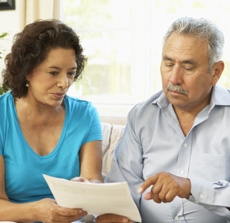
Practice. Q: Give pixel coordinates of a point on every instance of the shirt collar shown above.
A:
(220, 96)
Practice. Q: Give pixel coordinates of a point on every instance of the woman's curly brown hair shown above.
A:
(30, 49)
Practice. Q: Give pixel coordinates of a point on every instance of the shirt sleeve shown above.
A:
(214, 196)
(95, 129)
(128, 164)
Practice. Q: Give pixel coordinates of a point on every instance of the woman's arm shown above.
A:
(91, 161)
(45, 210)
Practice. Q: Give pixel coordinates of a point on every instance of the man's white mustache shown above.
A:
(177, 88)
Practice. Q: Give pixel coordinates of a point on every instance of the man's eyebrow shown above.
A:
(189, 61)
(167, 58)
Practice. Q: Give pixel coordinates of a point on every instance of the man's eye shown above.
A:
(168, 65)
(188, 68)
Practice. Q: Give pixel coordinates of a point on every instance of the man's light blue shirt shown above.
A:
(153, 142)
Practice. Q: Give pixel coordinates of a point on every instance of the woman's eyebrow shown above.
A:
(58, 68)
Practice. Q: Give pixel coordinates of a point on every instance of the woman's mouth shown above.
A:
(59, 96)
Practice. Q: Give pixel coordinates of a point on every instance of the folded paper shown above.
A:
(95, 198)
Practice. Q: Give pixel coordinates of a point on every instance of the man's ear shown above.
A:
(217, 70)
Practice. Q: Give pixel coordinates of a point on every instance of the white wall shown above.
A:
(10, 20)
(10, 24)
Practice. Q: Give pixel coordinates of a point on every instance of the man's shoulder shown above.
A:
(220, 96)
(147, 106)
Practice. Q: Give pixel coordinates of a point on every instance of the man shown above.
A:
(175, 152)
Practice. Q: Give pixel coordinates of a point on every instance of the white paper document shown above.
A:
(95, 198)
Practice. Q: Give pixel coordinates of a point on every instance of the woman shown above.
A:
(44, 131)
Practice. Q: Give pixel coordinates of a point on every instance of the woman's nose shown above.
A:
(63, 82)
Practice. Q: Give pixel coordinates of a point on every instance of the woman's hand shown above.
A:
(47, 210)
(80, 179)
(112, 218)
(83, 179)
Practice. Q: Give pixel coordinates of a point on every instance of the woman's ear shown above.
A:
(217, 70)
(28, 77)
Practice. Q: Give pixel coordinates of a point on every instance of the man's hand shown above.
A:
(165, 187)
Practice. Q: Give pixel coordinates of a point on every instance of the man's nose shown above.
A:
(177, 74)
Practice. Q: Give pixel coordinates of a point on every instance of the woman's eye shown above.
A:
(53, 73)
(71, 73)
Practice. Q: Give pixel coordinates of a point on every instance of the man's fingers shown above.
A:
(165, 187)
(148, 196)
(150, 181)
(156, 198)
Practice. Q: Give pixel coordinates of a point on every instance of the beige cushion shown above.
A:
(111, 136)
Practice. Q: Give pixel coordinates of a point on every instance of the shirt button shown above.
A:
(185, 145)
(202, 196)
(182, 172)
(176, 218)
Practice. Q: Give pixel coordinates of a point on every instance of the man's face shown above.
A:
(186, 80)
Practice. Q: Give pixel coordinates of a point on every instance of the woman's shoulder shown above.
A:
(7, 108)
(77, 102)
(73, 103)
(6, 98)
(6, 94)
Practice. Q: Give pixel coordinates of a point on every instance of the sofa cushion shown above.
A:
(111, 136)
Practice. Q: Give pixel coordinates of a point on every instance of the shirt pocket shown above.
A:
(214, 167)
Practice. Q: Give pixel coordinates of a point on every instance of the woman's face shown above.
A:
(50, 81)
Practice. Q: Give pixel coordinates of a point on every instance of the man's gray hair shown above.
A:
(200, 28)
